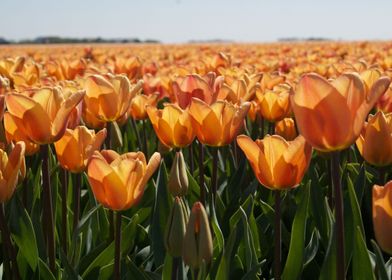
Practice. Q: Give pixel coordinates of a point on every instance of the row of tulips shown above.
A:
(222, 225)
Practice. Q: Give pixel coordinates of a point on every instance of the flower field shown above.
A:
(196, 161)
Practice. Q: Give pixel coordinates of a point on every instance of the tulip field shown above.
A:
(196, 161)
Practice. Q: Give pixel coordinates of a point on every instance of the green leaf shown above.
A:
(294, 263)
(312, 248)
(217, 231)
(22, 232)
(44, 271)
(167, 267)
(328, 270)
(362, 267)
(161, 212)
(380, 266)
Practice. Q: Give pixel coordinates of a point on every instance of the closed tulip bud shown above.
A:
(76, 147)
(175, 228)
(197, 246)
(118, 181)
(382, 216)
(10, 169)
(42, 114)
(330, 115)
(286, 129)
(178, 178)
(277, 164)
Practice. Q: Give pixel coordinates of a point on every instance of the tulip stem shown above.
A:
(201, 174)
(117, 248)
(278, 241)
(340, 259)
(271, 128)
(77, 190)
(9, 248)
(382, 175)
(134, 127)
(108, 140)
(48, 208)
(214, 177)
(145, 139)
(64, 224)
(261, 124)
(191, 166)
(175, 266)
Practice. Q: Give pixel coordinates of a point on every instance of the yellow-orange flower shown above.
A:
(172, 125)
(217, 124)
(108, 97)
(382, 215)
(274, 104)
(375, 141)
(76, 147)
(10, 167)
(277, 163)
(286, 129)
(42, 114)
(330, 115)
(118, 181)
(137, 108)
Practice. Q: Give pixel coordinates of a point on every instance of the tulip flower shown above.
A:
(42, 115)
(10, 168)
(14, 132)
(205, 88)
(108, 97)
(76, 147)
(375, 141)
(217, 124)
(382, 216)
(286, 129)
(330, 115)
(172, 125)
(197, 246)
(137, 108)
(277, 164)
(274, 104)
(384, 103)
(118, 181)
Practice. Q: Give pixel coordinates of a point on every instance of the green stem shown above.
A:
(175, 266)
(201, 174)
(278, 238)
(339, 217)
(214, 177)
(145, 139)
(77, 190)
(48, 208)
(117, 248)
(136, 131)
(6, 239)
(64, 224)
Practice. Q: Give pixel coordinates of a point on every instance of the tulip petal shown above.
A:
(152, 165)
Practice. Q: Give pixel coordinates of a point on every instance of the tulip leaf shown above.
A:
(160, 215)
(44, 271)
(312, 247)
(328, 269)
(217, 231)
(22, 232)
(294, 263)
(362, 267)
(380, 265)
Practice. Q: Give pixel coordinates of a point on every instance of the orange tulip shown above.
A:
(384, 103)
(108, 97)
(10, 169)
(118, 181)
(217, 124)
(330, 115)
(277, 163)
(137, 108)
(76, 147)
(4, 85)
(43, 114)
(205, 88)
(14, 132)
(375, 141)
(274, 104)
(286, 129)
(172, 125)
(382, 216)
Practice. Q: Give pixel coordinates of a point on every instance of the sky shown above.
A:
(177, 21)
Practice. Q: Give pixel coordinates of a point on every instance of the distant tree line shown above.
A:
(65, 40)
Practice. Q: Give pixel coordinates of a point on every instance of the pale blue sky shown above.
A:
(183, 20)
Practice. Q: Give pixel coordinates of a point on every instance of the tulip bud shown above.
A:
(198, 239)
(286, 129)
(178, 178)
(175, 228)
